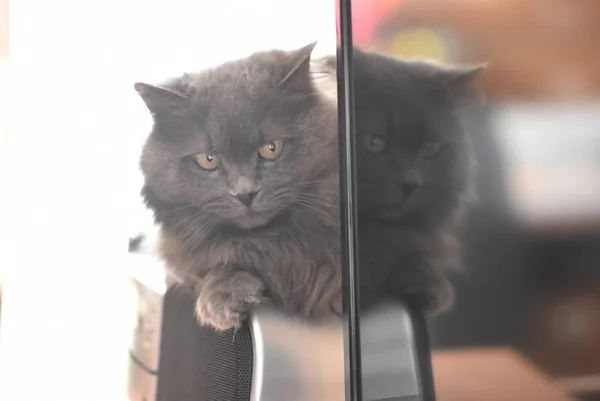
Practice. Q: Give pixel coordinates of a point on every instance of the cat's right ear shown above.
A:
(459, 83)
(159, 99)
(299, 61)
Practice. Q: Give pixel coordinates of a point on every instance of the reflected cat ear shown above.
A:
(463, 75)
(459, 83)
(300, 64)
(159, 99)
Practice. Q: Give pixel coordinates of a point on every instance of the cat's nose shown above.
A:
(408, 188)
(246, 198)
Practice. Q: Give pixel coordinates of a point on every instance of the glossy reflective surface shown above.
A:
(529, 278)
(296, 361)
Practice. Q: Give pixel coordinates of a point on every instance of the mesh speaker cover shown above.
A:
(198, 363)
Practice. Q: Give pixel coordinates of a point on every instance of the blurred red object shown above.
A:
(537, 50)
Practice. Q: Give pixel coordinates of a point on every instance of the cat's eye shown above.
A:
(375, 144)
(207, 161)
(271, 150)
(431, 150)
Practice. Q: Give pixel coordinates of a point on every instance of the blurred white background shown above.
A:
(69, 180)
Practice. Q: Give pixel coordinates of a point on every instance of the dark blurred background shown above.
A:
(532, 246)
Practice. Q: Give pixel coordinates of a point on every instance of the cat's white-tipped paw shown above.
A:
(225, 304)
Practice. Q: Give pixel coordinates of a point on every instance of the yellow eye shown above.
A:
(431, 150)
(271, 150)
(206, 161)
(375, 144)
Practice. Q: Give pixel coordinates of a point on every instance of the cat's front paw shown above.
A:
(337, 305)
(435, 297)
(224, 303)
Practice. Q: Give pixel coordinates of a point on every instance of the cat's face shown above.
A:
(239, 142)
(414, 157)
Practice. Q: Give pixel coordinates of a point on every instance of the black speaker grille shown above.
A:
(245, 357)
(198, 363)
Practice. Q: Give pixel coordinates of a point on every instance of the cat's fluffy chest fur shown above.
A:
(408, 262)
(298, 260)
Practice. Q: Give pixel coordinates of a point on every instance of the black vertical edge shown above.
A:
(350, 277)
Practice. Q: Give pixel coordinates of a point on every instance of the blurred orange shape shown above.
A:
(383, 7)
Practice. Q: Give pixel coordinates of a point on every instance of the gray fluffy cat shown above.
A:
(241, 171)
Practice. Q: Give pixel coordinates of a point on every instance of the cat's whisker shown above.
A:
(178, 209)
(304, 96)
(197, 236)
(319, 193)
(188, 235)
(315, 182)
(329, 195)
(312, 186)
(205, 229)
(316, 209)
(187, 231)
(320, 201)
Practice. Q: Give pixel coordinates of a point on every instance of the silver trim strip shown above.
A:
(296, 361)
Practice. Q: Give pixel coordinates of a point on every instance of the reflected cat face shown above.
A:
(236, 142)
(414, 158)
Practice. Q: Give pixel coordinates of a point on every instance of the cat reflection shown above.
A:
(415, 175)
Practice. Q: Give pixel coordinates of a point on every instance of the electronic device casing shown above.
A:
(272, 358)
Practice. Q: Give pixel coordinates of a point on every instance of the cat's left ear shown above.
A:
(459, 83)
(299, 62)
